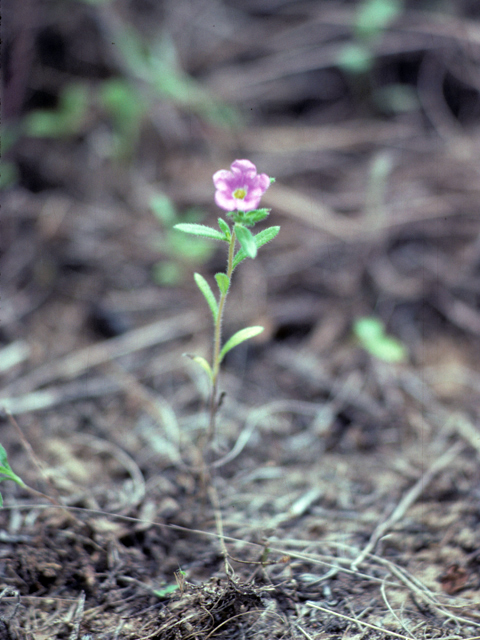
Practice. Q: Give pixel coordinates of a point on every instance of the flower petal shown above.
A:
(244, 166)
(243, 179)
(226, 201)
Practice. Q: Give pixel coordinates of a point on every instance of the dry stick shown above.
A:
(84, 359)
(151, 403)
(408, 499)
(390, 608)
(54, 396)
(467, 431)
(422, 591)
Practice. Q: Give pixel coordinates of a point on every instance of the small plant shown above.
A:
(372, 18)
(6, 472)
(357, 58)
(239, 192)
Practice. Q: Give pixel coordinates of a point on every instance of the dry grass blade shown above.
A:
(408, 499)
(82, 360)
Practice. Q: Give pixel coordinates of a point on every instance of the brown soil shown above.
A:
(341, 495)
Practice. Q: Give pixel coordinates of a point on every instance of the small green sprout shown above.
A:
(371, 334)
(239, 192)
(6, 472)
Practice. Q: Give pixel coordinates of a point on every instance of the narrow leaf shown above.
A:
(373, 338)
(257, 215)
(260, 239)
(202, 363)
(204, 287)
(246, 240)
(223, 282)
(225, 228)
(237, 338)
(3, 457)
(200, 230)
(6, 470)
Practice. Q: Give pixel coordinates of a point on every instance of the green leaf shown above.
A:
(388, 350)
(237, 338)
(246, 240)
(166, 591)
(204, 287)
(66, 120)
(167, 273)
(163, 208)
(225, 228)
(200, 230)
(6, 469)
(376, 15)
(368, 329)
(3, 457)
(355, 59)
(371, 334)
(257, 215)
(260, 239)
(223, 282)
(201, 362)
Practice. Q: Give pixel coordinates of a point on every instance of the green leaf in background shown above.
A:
(204, 287)
(225, 228)
(126, 108)
(371, 335)
(260, 239)
(6, 472)
(166, 591)
(168, 273)
(396, 98)
(178, 245)
(200, 230)
(239, 337)
(376, 15)
(223, 282)
(201, 362)
(246, 240)
(66, 120)
(163, 209)
(355, 59)
(8, 174)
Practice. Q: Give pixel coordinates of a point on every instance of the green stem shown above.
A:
(217, 342)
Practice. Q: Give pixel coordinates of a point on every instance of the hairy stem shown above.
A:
(217, 343)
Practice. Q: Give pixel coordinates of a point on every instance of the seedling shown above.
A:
(239, 192)
(373, 17)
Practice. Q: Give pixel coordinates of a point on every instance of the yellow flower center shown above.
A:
(239, 194)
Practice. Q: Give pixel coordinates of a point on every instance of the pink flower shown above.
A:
(241, 188)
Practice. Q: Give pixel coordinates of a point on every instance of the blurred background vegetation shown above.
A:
(131, 106)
